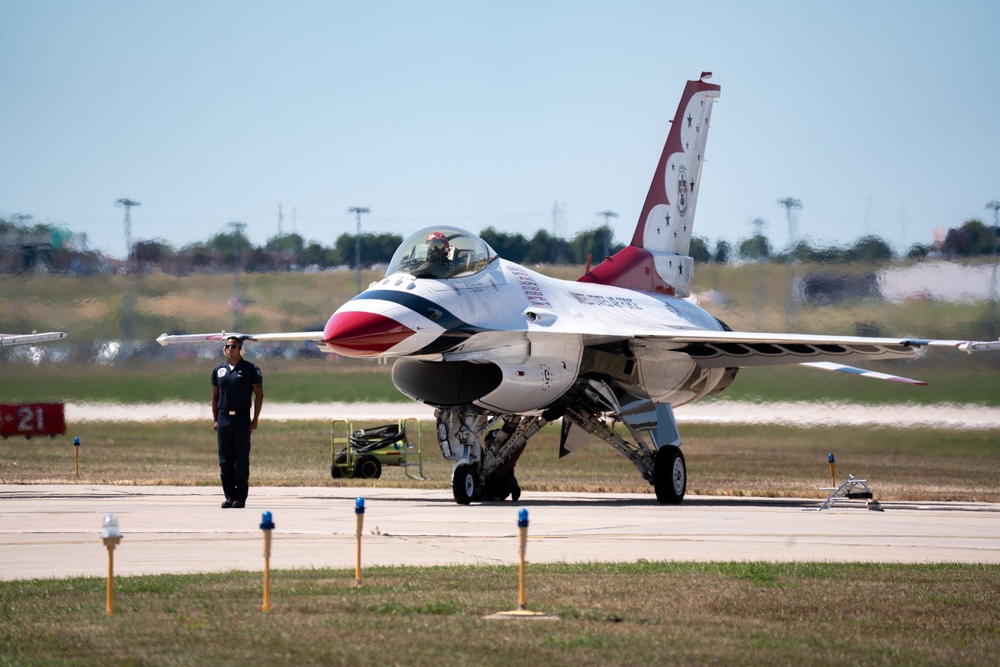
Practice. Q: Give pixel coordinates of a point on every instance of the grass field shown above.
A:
(610, 614)
(952, 378)
(902, 464)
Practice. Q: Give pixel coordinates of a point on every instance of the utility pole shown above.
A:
(758, 238)
(358, 211)
(792, 206)
(128, 305)
(995, 206)
(607, 230)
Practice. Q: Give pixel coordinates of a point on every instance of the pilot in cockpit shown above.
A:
(437, 248)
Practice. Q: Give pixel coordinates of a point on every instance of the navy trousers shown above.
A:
(234, 455)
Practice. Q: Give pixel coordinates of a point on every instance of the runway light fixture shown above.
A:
(359, 512)
(522, 605)
(267, 525)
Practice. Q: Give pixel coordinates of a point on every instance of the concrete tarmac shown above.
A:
(54, 530)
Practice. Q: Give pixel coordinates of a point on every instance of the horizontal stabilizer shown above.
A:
(841, 368)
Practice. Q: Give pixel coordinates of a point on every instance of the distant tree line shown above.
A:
(26, 246)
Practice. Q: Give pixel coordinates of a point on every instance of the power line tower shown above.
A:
(607, 230)
(558, 219)
(236, 228)
(128, 303)
(281, 218)
(995, 206)
(792, 206)
(358, 211)
(559, 230)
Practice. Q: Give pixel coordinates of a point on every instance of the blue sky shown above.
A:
(881, 117)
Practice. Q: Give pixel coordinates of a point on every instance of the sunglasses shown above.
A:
(232, 346)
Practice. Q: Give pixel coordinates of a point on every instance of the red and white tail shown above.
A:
(657, 259)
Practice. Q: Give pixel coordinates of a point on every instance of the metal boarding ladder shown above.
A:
(852, 489)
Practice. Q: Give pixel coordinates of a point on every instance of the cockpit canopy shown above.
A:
(441, 252)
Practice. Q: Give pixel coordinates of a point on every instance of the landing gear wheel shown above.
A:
(498, 487)
(464, 485)
(669, 475)
(367, 467)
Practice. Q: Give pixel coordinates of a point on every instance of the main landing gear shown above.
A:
(485, 472)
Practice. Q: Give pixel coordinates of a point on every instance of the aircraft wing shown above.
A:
(173, 339)
(24, 339)
(734, 349)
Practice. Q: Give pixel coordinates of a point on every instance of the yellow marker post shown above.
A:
(833, 474)
(359, 511)
(522, 603)
(267, 525)
(522, 526)
(76, 455)
(111, 536)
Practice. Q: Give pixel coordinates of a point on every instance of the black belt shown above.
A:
(233, 413)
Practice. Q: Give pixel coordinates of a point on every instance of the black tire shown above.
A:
(670, 475)
(337, 467)
(367, 467)
(464, 485)
(498, 487)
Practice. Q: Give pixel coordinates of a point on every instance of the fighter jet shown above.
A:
(500, 350)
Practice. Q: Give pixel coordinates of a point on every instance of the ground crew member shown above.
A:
(234, 381)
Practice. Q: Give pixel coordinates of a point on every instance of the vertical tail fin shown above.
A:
(657, 259)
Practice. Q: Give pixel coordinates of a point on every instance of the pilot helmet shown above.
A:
(437, 246)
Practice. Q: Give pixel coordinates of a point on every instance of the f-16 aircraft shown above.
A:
(25, 339)
(502, 350)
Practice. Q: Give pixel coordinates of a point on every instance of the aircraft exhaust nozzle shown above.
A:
(362, 334)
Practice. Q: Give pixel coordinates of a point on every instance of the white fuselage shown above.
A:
(526, 327)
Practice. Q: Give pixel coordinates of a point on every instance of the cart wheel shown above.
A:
(337, 469)
(669, 475)
(367, 467)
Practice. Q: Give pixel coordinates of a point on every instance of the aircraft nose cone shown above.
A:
(360, 334)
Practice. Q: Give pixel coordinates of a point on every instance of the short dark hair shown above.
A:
(235, 338)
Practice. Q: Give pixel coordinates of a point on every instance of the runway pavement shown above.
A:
(54, 530)
(798, 413)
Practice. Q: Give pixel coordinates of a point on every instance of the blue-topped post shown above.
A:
(522, 526)
(76, 455)
(267, 525)
(833, 474)
(359, 512)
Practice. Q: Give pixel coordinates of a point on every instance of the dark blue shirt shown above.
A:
(236, 385)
